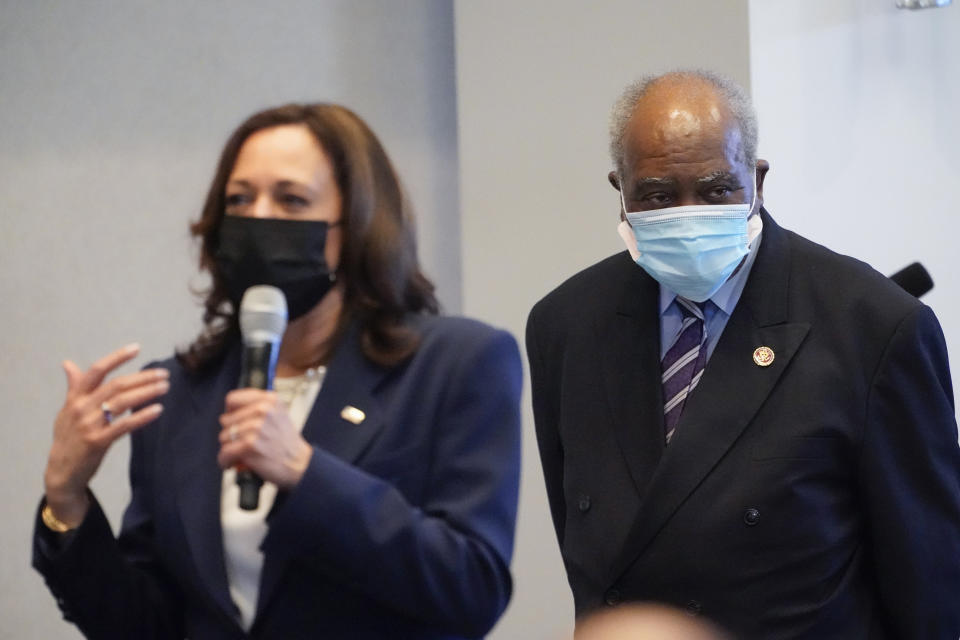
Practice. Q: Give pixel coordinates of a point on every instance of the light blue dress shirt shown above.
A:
(716, 314)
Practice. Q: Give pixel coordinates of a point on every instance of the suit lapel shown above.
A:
(730, 393)
(630, 346)
(348, 385)
(198, 480)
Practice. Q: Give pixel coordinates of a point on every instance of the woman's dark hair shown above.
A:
(378, 261)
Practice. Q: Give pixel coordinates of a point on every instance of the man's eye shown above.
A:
(658, 198)
(719, 192)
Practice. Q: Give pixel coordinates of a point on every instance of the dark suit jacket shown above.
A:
(817, 497)
(402, 526)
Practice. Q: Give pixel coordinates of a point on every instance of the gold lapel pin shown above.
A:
(352, 414)
(763, 356)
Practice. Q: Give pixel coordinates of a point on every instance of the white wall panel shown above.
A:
(859, 107)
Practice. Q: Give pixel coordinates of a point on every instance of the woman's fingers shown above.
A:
(242, 397)
(259, 408)
(94, 415)
(74, 374)
(92, 377)
(90, 411)
(260, 436)
(128, 391)
(130, 422)
(232, 432)
(246, 411)
(239, 439)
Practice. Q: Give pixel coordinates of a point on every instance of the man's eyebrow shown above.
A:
(655, 182)
(717, 176)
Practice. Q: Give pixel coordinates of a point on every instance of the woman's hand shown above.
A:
(257, 433)
(93, 416)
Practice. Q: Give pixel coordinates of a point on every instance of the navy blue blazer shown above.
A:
(402, 526)
(817, 497)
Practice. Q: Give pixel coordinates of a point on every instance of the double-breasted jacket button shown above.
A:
(584, 504)
(751, 517)
(693, 607)
(612, 597)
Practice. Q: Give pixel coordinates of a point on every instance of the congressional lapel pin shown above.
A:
(352, 414)
(763, 356)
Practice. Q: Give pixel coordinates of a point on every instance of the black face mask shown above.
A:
(287, 254)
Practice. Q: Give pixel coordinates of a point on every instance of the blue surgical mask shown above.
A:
(691, 250)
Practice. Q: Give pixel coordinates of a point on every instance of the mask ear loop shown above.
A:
(624, 228)
(623, 203)
(754, 223)
(753, 202)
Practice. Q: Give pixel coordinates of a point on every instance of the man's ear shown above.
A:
(614, 180)
(615, 183)
(762, 167)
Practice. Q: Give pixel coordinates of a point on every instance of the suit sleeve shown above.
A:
(110, 588)
(545, 401)
(910, 477)
(446, 561)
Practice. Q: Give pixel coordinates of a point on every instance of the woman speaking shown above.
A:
(389, 446)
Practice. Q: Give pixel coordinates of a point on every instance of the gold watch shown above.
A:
(53, 522)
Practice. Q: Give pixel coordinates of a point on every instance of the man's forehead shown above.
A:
(693, 95)
(678, 112)
(702, 156)
(679, 137)
(681, 120)
(681, 125)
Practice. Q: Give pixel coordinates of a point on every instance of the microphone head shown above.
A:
(913, 279)
(263, 314)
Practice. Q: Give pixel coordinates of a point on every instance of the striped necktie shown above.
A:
(683, 364)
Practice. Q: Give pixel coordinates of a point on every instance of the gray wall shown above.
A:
(535, 80)
(112, 114)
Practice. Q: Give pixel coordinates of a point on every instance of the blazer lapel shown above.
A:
(198, 480)
(730, 393)
(346, 416)
(630, 346)
(344, 420)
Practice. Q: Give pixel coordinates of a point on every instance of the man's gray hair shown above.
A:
(737, 100)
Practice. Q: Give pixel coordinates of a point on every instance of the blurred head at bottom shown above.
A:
(646, 622)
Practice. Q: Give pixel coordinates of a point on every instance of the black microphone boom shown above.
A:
(263, 319)
(913, 279)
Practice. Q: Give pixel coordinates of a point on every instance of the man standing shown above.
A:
(734, 419)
